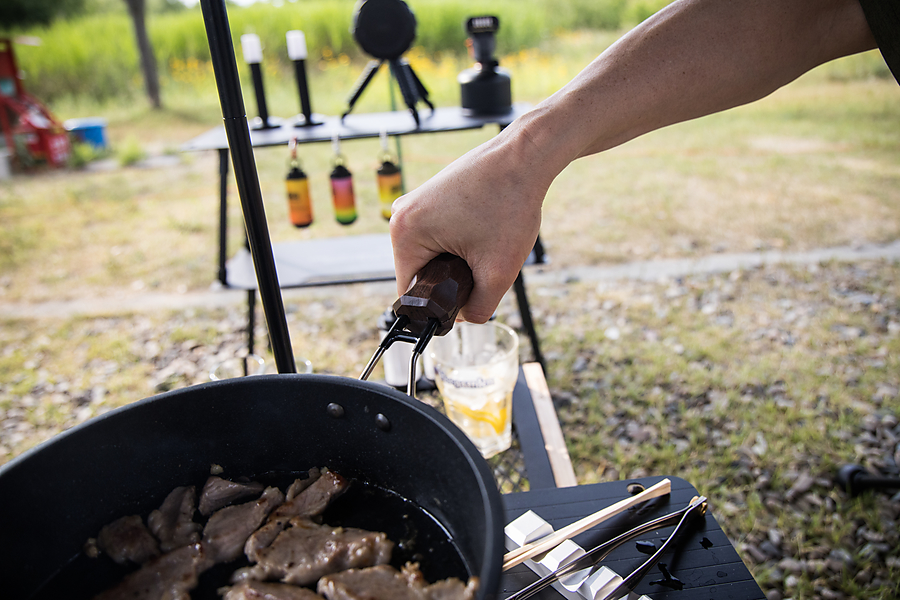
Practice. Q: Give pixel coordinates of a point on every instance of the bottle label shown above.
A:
(299, 205)
(390, 187)
(344, 201)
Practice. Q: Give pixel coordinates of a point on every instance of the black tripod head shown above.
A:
(385, 30)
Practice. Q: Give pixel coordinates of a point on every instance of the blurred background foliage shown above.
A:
(89, 49)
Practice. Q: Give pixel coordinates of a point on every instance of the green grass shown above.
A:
(711, 402)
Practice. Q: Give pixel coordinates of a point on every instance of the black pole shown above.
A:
(256, 72)
(238, 132)
(527, 321)
(223, 215)
(303, 88)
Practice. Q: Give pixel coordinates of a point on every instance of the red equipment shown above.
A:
(31, 133)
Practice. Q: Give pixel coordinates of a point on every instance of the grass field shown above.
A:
(747, 384)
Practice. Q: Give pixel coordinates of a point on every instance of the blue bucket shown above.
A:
(91, 130)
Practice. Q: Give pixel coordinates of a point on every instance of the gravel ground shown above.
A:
(806, 539)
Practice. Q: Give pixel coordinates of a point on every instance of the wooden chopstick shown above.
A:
(548, 542)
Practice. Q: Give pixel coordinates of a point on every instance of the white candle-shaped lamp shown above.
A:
(252, 49)
(296, 47)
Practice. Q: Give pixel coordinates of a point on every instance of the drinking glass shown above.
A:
(476, 367)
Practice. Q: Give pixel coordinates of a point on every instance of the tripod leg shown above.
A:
(361, 84)
(420, 88)
(406, 87)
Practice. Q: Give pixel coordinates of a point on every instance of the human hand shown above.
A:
(485, 208)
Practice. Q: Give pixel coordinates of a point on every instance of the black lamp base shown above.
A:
(485, 91)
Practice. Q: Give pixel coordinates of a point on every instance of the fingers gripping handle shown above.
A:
(438, 291)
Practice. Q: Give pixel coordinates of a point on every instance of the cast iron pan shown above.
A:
(56, 496)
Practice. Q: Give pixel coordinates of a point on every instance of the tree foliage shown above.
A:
(23, 13)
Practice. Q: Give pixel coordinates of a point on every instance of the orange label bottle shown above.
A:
(299, 203)
(390, 186)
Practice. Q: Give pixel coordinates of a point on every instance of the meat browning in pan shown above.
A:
(228, 528)
(173, 523)
(218, 492)
(282, 537)
(262, 590)
(169, 577)
(305, 551)
(302, 483)
(128, 540)
(305, 498)
(384, 582)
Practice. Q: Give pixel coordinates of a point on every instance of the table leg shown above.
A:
(527, 322)
(223, 214)
(251, 319)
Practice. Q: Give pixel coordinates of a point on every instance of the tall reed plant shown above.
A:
(95, 55)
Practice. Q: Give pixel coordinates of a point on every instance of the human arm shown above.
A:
(694, 58)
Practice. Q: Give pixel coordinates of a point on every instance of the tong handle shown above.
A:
(437, 292)
(697, 507)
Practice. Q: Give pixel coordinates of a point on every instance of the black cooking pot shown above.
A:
(56, 496)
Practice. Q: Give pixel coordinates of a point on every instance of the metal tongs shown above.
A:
(696, 507)
(428, 308)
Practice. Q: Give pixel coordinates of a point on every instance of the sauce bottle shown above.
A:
(297, 184)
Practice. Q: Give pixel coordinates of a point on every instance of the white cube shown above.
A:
(526, 529)
(599, 585)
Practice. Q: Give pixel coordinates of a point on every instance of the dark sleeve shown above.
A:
(884, 21)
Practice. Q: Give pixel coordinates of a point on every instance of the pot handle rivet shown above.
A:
(335, 410)
(382, 422)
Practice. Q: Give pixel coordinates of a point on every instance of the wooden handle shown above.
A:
(438, 291)
(546, 543)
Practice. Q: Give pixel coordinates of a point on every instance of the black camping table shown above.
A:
(702, 560)
(352, 258)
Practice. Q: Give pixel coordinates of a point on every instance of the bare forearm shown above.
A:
(694, 58)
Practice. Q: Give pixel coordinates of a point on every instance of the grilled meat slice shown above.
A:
(384, 582)
(305, 498)
(301, 484)
(312, 498)
(218, 492)
(168, 577)
(128, 540)
(173, 522)
(452, 589)
(228, 528)
(305, 551)
(261, 590)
